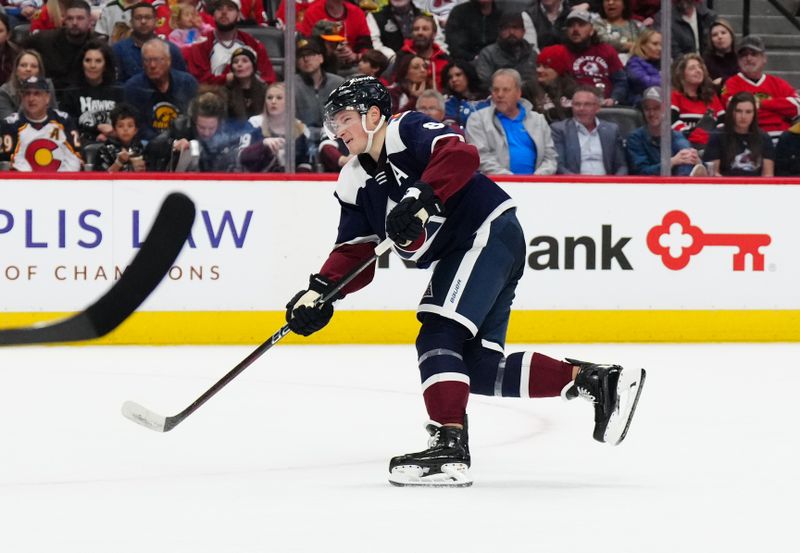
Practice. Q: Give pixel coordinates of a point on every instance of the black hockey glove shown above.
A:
(303, 316)
(406, 220)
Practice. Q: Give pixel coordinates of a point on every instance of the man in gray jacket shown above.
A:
(585, 144)
(510, 50)
(511, 138)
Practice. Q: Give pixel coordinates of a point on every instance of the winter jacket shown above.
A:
(492, 58)
(642, 74)
(468, 31)
(644, 153)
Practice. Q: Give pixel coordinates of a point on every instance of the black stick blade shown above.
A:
(154, 259)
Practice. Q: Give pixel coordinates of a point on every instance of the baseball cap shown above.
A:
(35, 83)
(751, 42)
(511, 20)
(583, 15)
(332, 31)
(653, 93)
(235, 3)
(307, 46)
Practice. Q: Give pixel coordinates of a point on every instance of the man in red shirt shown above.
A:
(209, 61)
(354, 23)
(590, 61)
(422, 44)
(778, 102)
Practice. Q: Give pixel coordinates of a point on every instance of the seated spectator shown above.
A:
(373, 63)
(245, 90)
(465, 95)
(511, 138)
(511, 50)
(552, 97)
(741, 148)
(645, 11)
(333, 155)
(50, 17)
(355, 24)
(208, 61)
(787, 152)
(616, 27)
(412, 79)
(114, 12)
(422, 44)
(644, 66)
(691, 20)
(312, 86)
(471, 27)
(123, 151)
(26, 11)
(37, 138)
(187, 25)
(778, 101)
(60, 48)
(301, 7)
(591, 62)
(264, 150)
(206, 129)
(644, 144)
(90, 102)
(431, 103)
(391, 25)
(8, 50)
(585, 144)
(128, 51)
(695, 106)
(159, 93)
(440, 9)
(720, 54)
(549, 19)
(28, 63)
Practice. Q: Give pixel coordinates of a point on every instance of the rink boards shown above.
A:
(637, 260)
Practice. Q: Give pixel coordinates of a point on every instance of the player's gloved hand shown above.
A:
(406, 220)
(303, 316)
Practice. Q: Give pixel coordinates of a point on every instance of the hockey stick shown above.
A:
(155, 257)
(149, 419)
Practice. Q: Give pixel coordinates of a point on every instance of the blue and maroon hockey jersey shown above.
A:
(416, 148)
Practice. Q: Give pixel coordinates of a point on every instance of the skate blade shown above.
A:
(453, 475)
(629, 388)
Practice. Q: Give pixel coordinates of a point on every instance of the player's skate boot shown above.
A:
(444, 464)
(614, 391)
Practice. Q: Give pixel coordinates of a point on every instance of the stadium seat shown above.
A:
(627, 118)
(272, 39)
(20, 33)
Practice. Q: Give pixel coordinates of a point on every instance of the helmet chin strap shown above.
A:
(370, 134)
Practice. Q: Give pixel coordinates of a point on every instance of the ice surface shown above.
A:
(293, 455)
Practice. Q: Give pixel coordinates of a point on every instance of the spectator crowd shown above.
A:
(540, 87)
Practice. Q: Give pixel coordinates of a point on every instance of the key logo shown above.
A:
(676, 240)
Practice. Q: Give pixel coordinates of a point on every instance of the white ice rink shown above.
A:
(293, 455)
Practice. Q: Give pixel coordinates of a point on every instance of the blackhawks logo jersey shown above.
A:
(46, 146)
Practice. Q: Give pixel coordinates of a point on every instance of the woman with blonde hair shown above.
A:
(266, 151)
(696, 108)
(51, 16)
(644, 66)
(28, 63)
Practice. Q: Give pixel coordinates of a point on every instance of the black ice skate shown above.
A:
(444, 464)
(614, 393)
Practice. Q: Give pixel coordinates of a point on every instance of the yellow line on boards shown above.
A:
(400, 327)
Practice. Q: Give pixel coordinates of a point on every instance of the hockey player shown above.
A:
(37, 138)
(415, 180)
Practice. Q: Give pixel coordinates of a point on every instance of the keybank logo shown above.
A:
(676, 240)
(550, 253)
(37, 229)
